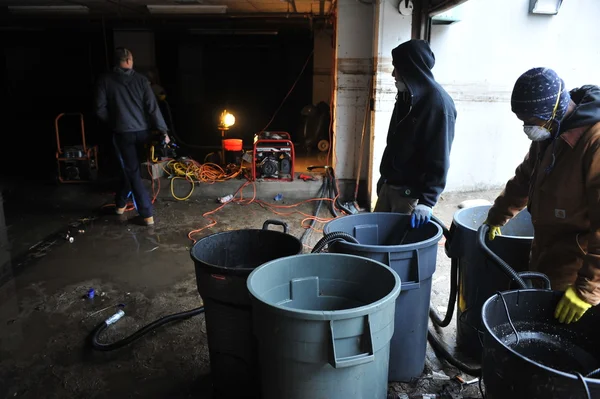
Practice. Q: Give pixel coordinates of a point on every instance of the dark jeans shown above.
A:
(130, 151)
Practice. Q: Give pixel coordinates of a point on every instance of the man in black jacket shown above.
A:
(125, 101)
(416, 159)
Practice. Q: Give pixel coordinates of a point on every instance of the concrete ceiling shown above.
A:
(308, 7)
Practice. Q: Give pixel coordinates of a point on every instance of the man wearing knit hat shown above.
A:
(559, 183)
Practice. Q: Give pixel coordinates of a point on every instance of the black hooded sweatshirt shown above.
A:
(417, 155)
(125, 101)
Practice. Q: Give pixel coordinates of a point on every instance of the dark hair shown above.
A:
(121, 55)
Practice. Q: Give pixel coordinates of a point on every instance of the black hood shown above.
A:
(123, 75)
(587, 109)
(413, 60)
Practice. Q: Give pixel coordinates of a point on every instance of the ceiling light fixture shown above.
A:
(74, 9)
(186, 9)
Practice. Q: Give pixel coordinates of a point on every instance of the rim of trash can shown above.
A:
(327, 314)
(388, 248)
(240, 271)
(471, 228)
(490, 331)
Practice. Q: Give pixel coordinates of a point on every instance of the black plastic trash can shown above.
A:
(412, 253)
(223, 262)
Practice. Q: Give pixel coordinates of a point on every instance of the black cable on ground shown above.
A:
(332, 237)
(439, 347)
(336, 196)
(321, 194)
(331, 195)
(139, 333)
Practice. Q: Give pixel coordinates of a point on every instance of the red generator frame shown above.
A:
(83, 155)
(262, 143)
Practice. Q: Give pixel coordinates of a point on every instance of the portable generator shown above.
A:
(273, 156)
(76, 163)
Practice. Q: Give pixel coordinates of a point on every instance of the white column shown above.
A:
(353, 68)
(390, 29)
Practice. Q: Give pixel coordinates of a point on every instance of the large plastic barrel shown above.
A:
(324, 324)
(480, 278)
(540, 357)
(223, 262)
(412, 253)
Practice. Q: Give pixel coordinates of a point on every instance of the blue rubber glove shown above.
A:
(420, 216)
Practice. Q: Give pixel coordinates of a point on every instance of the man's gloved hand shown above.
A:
(166, 138)
(494, 231)
(420, 216)
(571, 307)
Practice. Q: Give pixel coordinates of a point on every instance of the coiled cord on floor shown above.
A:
(331, 238)
(139, 333)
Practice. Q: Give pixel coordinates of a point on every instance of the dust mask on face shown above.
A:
(537, 133)
(401, 86)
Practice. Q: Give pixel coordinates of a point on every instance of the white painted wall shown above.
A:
(354, 65)
(478, 60)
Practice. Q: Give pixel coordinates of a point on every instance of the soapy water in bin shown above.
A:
(549, 345)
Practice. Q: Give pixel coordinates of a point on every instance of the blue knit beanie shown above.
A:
(535, 94)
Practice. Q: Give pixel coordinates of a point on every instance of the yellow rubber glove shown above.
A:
(494, 231)
(571, 307)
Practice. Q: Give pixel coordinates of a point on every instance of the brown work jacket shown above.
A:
(565, 208)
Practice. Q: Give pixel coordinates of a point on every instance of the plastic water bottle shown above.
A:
(225, 199)
(114, 318)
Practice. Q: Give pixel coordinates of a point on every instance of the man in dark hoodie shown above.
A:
(417, 156)
(559, 183)
(125, 101)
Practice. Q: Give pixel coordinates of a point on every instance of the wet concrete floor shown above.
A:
(45, 318)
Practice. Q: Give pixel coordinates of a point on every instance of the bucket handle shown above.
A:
(354, 360)
(276, 222)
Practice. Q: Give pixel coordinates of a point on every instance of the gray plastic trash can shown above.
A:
(379, 235)
(480, 278)
(223, 262)
(323, 324)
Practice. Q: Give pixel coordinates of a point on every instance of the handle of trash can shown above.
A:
(411, 285)
(354, 360)
(538, 276)
(276, 222)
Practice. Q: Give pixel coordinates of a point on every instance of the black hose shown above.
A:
(445, 230)
(439, 347)
(139, 333)
(504, 267)
(433, 315)
(333, 237)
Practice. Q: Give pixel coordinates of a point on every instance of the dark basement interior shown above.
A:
(225, 296)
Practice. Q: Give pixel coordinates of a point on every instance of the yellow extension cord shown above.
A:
(193, 172)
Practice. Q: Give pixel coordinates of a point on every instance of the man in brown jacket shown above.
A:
(559, 183)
